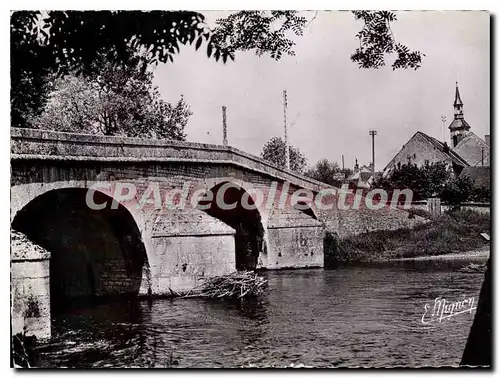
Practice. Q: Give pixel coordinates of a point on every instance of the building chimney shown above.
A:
(487, 138)
(446, 148)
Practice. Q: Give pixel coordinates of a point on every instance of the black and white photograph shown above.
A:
(250, 189)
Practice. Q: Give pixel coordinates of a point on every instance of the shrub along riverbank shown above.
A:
(455, 231)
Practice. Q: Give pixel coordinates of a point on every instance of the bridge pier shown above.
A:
(295, 247)
(30, 288)
(189, 246)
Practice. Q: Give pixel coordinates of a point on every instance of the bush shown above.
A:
(420, 212)
(457, 191)
(434, 180)
(330, 248)
(426, 181)
(481, 194)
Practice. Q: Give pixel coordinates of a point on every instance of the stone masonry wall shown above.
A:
(353, 222)
(297, 247)
(190, 245)
(185, 260)
(82, 147)
(30, 288)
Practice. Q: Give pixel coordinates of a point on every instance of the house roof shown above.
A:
(481, 142)
(456, 159)
(365, 176)
(480, 175)
(469, 136)
(364, 173)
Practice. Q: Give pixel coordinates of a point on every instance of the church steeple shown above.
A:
(459, 127)
(458, 104)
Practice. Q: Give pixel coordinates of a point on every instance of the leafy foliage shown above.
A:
(376, 40)
(117, 101)
(457, 191)
(434, 180)
(274, 152)
(426, 181)
(325, 170)
(29, 75)
(481, 193)
(69, 42)
(254, 30)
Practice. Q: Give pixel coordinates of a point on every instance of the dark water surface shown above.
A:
(348, 317)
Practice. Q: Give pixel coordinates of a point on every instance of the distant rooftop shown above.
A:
(480, 175)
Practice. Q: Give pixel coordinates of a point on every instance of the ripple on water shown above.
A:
(350, 317)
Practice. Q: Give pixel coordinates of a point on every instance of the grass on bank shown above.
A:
(455, 231)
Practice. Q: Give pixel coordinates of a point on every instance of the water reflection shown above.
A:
(358, 316)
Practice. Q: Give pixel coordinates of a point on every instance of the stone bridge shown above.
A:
(143, 233)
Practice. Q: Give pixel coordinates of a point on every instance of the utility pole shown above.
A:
(287, 150)
(482, 156)
(224, 126)
(443, 119)
(373, 133)
(343, 167)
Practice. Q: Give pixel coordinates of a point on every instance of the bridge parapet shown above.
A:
(34, 144)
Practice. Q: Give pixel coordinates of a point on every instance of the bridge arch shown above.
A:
(232, 203)
(22, 195)
(94, 253)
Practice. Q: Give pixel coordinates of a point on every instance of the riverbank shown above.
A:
(481, 254)
(455, 234)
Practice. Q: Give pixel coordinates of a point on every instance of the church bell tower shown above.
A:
(459, 128)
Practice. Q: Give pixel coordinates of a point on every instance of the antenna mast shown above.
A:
(287, 150)
(373, 133)
(224, 127)
(443, 119)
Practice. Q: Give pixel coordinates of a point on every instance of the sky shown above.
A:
(332, 104)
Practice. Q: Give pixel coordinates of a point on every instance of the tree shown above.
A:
(114, 101)
(457, 191)
(29, 71)
(274, 152)
(71, 41)
(426, 181)
(481, 193)
(324, 170)
(433, 180)
(376, 40)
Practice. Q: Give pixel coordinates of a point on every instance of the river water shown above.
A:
(349, 317)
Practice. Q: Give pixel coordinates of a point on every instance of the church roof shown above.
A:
(459, 124)
(458, 100)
